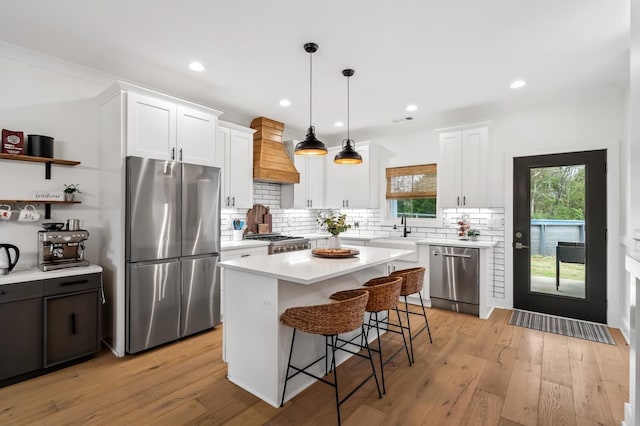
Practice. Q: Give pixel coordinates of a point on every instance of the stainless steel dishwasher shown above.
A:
(454, 278)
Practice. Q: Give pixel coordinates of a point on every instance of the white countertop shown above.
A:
(344, 235)
(457, 243)
(301, 267)
(35, 274)
(231, 245)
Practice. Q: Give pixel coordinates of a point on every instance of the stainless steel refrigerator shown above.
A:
(172, 250)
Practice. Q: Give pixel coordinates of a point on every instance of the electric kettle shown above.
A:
(6, 263)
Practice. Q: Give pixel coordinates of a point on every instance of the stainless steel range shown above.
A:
(281, 243)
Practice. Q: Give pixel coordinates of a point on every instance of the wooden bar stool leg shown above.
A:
(286, 376)
(425, 318)
(404, 339)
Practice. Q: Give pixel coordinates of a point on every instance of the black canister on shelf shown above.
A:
(40, 146)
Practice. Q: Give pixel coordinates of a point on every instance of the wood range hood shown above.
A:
(271, 162)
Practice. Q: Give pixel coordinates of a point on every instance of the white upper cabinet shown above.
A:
(462, 169)
(352, 186)
(151, 127)
(166, 128)
(309, 193)
(196, 138)
(234, 155)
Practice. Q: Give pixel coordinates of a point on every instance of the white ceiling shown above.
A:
(439, 55)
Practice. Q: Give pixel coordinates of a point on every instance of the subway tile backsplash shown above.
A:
(303, 221)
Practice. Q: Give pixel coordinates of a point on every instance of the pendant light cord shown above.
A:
(310, 88)
(348, 109)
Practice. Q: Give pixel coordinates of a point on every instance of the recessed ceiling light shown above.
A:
(518, 84)
(412, 107)
(196, 66)
(339, 124)
(285, 102)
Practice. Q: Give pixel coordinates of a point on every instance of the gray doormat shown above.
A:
(564, 326)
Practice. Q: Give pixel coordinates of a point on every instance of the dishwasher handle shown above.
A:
(465, 256)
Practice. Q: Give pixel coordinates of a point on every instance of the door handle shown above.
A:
(464, 198)
(458, 201)
(520, 246)
(227, 201)
(233, 201)
(73, 324)
(465, 256)
(180, 154)
(173, 153)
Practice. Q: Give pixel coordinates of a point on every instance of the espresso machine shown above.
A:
(61, 249)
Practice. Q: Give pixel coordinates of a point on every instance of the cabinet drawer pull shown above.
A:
(73, 324)
(464, 200)
(458, 201)
(245, 255)
(173, 153)
(75, 282)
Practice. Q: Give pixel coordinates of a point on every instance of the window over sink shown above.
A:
(412, 191)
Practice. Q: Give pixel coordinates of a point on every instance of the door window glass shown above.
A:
(557, 206)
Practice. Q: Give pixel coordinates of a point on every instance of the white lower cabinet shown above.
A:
(237, 253)
(321, 243)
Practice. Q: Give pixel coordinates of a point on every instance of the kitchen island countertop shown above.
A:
(303, 268)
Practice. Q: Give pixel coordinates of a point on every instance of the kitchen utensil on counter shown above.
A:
(255, 216)
(6, 262)
(53, 226)
(29, 214)
(74, 224)
(5, 212)
(267, 220)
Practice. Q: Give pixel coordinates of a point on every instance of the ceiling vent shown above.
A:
(271, 162)
(400, 120)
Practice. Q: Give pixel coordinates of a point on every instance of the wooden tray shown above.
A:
(333, 253)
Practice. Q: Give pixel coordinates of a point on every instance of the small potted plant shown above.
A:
(70, 191)
(473, 234)
(334, 224)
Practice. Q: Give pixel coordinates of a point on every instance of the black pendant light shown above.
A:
(348, 155)
(310, 145)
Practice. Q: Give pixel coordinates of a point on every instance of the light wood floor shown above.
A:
(475, 372)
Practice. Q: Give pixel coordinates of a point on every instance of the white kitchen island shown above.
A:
(259, 288)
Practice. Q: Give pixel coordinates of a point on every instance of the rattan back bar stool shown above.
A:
(342, 316)
(384, 293)
(413, 279)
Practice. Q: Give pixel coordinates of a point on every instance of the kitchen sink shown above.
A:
(398, 243)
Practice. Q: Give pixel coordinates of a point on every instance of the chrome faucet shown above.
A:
(403, 221)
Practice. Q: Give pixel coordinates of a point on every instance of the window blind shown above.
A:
(412, 182)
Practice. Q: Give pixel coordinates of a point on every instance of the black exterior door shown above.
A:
(560, 235)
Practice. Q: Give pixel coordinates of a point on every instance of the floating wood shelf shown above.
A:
(47, 175)
(44, 160)
(39, 202)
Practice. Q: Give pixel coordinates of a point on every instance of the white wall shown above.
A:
(593, 121)
(41, 95)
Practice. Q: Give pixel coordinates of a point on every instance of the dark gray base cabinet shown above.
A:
(20, 328)
(47, 323)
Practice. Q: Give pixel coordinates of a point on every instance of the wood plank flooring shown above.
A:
(476, 372)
